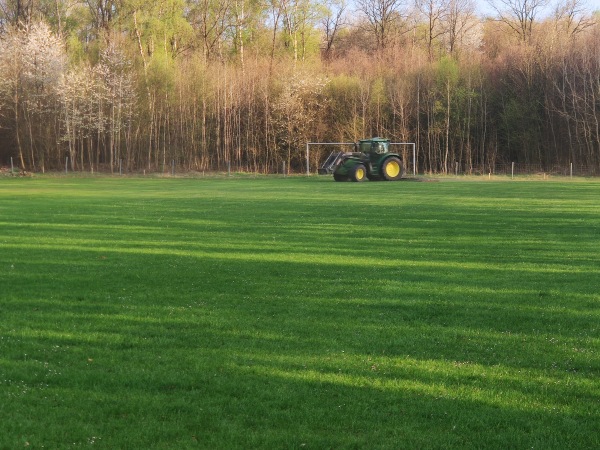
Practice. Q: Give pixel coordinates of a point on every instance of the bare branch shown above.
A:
(519, 15)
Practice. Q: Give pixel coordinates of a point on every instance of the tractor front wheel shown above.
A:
(337, 177)
(359, 173)
(391, 169)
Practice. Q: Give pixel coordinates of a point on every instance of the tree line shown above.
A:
(208, 84)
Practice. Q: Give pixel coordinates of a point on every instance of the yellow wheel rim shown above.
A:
(392, 169)
(360, 173)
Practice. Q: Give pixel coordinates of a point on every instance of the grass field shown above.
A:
(299, 313)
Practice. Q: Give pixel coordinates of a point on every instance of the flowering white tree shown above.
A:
(44, 62)
(10, 83)
(119, 91)
(82, 100)
(296, 110)
(97, 109)
(32, 61)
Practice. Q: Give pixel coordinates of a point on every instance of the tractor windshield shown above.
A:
(373, 146)
(379, 147)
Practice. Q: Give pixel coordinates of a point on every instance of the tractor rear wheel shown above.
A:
(359, 173)
(391, 170)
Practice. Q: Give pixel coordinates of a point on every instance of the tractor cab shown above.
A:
(376, 146)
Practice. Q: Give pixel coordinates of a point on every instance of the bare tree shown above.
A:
(519, 15)
(16, 13)
(275, 12)
(460, 21)
(332, 23)
(572, 16)
(210, 19)
(103, 13)
(382, 16)
(434, 12)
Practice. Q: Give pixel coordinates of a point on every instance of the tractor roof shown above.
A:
(375, 139)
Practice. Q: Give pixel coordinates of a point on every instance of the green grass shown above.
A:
(299, 313)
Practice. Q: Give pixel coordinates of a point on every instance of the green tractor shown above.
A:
(370, 159)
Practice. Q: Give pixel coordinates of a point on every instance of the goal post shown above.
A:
(414, 153)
